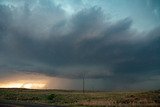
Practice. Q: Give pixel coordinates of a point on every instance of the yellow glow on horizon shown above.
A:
(29, 81)
(27, 86)
(11, 85)
(33, 81)
(23, 85)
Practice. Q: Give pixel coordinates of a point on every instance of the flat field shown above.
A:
(79, 99)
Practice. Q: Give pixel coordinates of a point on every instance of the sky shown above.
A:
(113, 44)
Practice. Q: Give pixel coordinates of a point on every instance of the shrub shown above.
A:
(51, 96)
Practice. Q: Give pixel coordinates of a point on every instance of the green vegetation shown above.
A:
(77, 98)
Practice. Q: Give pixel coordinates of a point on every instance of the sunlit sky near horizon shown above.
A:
(114, 43)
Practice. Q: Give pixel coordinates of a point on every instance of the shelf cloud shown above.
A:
(43, 37)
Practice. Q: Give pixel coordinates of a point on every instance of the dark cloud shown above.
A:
(40, 37)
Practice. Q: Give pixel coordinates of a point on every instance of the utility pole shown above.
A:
(83, 83)
(83, 80)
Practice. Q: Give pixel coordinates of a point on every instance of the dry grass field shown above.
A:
(78, 99)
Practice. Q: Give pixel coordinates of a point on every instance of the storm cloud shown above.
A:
(39, 36)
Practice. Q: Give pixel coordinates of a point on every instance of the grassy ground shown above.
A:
(77, 98)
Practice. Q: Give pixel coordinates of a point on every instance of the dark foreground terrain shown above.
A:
(22, 104)
(48, 98)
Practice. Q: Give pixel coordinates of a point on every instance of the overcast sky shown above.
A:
(115, 43)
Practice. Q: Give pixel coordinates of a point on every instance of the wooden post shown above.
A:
(83, 80)
(83, 84)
